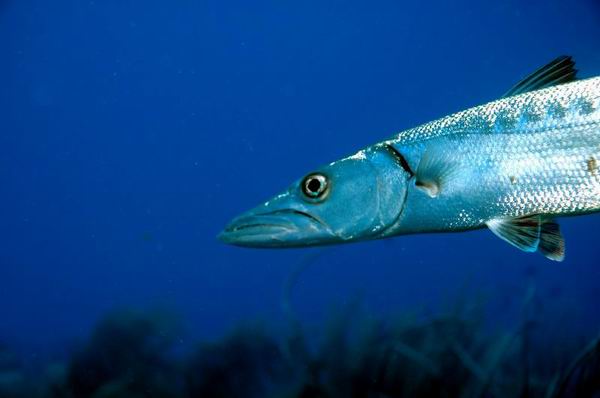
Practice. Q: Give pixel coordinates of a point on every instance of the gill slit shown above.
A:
(401, 160)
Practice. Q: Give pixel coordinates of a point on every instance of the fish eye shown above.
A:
(314, 186)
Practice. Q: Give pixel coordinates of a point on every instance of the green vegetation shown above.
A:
(132, 354)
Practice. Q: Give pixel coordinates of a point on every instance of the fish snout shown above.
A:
(279, 228)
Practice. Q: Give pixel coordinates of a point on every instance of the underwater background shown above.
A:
(132, 131)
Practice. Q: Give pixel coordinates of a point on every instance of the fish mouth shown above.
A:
(279, 228)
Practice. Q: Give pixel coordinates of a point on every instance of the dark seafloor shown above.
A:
(132, 131)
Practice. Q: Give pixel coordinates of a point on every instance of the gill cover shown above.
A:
(366, 197)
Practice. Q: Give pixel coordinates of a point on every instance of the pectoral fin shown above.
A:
(435, 171)
(530, 234)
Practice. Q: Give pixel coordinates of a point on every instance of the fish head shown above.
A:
(355, 198)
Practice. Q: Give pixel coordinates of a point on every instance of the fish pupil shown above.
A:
(314, 186)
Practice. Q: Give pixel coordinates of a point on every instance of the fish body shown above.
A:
(512, 165)
(534, 153)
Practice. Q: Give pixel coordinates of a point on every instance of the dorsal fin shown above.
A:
(531, 233)
(559, 71)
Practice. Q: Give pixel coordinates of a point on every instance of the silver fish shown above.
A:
(512, 165)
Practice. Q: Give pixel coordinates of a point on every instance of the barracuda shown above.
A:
(513, 165)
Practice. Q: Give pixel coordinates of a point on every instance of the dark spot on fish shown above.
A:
(530, 115)
(504, 121)
(592, 165)
(584, 107)
(556, 110)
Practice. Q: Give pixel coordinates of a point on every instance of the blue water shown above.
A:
(133, 131)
